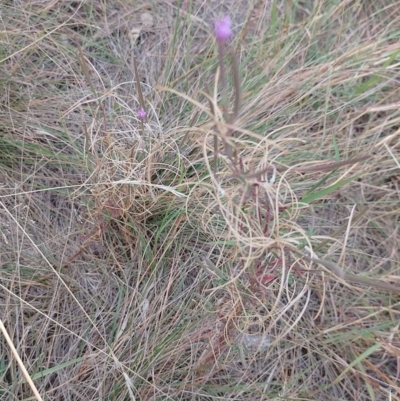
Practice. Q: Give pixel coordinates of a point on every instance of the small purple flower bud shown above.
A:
(141, 113)
(223, 29)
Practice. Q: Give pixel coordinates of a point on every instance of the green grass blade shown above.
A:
(327, 191)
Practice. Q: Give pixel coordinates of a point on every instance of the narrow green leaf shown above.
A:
(327, 191)
(207, 264)
(274, 15)
(165, 223)
(370, 390)
(358, 360)
(336, 147)
(367, 84)
(54, 369)
(391, 58)
(320, 182)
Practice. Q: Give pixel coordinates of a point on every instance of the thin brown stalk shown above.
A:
(332, 166)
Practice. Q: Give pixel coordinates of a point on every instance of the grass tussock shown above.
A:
(189, 255)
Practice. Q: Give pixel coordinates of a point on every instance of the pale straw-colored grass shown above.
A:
(145, 261)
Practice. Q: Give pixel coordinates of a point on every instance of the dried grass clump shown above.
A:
(187, 254)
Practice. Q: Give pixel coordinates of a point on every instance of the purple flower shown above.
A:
(141, 113)
(223, 29)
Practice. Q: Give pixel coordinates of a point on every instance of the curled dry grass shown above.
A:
(132, 269)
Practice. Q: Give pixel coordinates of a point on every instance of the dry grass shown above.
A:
(131, 269)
